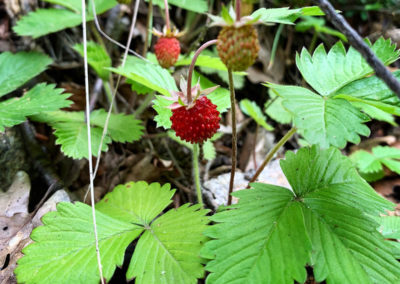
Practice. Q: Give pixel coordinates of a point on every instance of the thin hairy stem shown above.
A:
(274, 46)
(191, 68)
(167, 22)
(196, 174)
(271, 154)
(134, 17)
(234, 135)
(90, 138)
(148, 24)
(96, 22)
(238, 9)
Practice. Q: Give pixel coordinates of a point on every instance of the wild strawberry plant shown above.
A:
(329, 219)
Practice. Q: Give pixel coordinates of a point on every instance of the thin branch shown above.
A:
(191, 68)
(196, 174)
(357, 42)
(96, 22)
(238, 9)
(90, 138)
(271, 154)
(234, 136)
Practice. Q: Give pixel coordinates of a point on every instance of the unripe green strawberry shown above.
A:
(124, 1)
(238, 46)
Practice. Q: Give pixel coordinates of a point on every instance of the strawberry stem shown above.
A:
(234, 135)
(272, 152)
(196, 174)
(238, 9)
(191, 68)
(167, 23)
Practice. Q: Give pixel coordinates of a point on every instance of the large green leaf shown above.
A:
(71, 130)
(274, 109)
(323, 120)
(168, 252)
(273, 232)
(329, 72)
(147, 74)
(45, 21)
(17, 69)
(254, 111)
(199, 6)
(97, 58)
(39, 99)
(64, 249)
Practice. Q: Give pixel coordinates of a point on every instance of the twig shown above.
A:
(357, 42)
(90, 138)
(135, 12)
(238, 9)
(191, 68)
(148, 23)
(234, 135)
(271, 153)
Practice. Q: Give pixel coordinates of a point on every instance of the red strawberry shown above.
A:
(197, 123)
(167, 50)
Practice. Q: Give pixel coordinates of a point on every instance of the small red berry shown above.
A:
(167, 50)
(198, 123)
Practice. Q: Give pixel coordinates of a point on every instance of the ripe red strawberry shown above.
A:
(238, 46)
(197, 123)
(167, 50)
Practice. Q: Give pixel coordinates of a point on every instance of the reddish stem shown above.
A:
(238, 9)
(191, 68)
(167, 15)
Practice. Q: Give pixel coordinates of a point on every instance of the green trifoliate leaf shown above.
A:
(273, 232)
(97, 58)
(254, 111)
(329, 72)
(17, 69)
(64, 249)
(323, 120)
(71, 130)
(147, 74)
(373, 162)
(40, 99)
(168, 251)
(45, 21)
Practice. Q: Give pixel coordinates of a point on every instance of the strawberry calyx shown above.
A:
(179, 98)
(228, 18)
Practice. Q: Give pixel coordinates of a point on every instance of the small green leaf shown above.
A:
(337, 68)
(199, 6)
(226, 16)
(254, 111)
(284, 15)
(45, 21)
(71, 130)
(209, 152)
(172, 135)
(97, 58)
(323, 120)
(17, 69)
(64, 249)
(41, 98)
